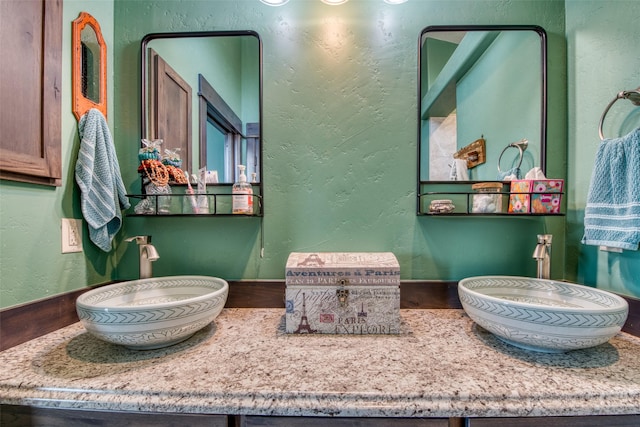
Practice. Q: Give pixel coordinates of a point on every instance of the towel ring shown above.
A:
(520, 145)
(631, 95)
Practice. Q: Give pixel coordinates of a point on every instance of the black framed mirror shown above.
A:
(202, 94)
(482, 97)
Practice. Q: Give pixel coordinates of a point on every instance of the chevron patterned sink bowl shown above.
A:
(542, 315)
(152, 313)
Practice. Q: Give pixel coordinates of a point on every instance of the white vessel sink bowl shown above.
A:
(152, 313)
(543, 315)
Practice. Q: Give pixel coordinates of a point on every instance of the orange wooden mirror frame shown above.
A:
(81, 103)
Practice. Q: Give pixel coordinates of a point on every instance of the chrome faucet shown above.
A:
(148, 254)
(542, 254)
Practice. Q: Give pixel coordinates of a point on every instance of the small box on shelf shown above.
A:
(488, 197)
(541, 196)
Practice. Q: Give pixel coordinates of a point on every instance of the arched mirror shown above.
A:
(202, 94)
(89, 66)
(482, 100)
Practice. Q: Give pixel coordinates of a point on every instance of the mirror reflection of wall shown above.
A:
(222, 72)
(481, 83)
(90, 67)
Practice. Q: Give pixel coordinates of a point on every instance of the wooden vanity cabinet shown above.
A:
(580, 421)
(18, 416)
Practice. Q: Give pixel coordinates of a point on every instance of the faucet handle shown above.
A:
(545, 239)
(141, 240)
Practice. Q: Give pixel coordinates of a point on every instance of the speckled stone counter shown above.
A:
(442, 365)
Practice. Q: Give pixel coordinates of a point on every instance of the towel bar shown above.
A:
(631, 95)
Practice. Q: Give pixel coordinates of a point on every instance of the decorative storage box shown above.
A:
(343, 293)
(536, 196)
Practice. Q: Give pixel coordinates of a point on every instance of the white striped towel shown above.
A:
(612, 214)
(103, 194)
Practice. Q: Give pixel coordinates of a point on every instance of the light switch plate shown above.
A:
(71, 235)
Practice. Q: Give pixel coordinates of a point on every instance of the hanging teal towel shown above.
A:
(514, 171)
(612, 214)
(103, 194)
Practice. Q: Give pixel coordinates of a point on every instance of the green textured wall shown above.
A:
(340, 144)
(340, 140)
(31, 263)
(603, 59)
(340, 125)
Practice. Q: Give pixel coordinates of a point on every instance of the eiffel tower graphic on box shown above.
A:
(304, 326)
(362, 313)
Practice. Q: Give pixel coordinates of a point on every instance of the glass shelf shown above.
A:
(193, 205)
(461, 194)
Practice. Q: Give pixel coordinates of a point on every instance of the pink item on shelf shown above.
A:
(536, 196)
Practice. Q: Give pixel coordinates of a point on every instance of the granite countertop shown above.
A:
(441, 365)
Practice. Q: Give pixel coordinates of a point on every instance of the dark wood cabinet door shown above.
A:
(586, 421)
(19, 416)
(255, 421)
(170, 99)
(30, 91)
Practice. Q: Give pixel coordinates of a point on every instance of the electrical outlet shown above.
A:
(71, 235)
